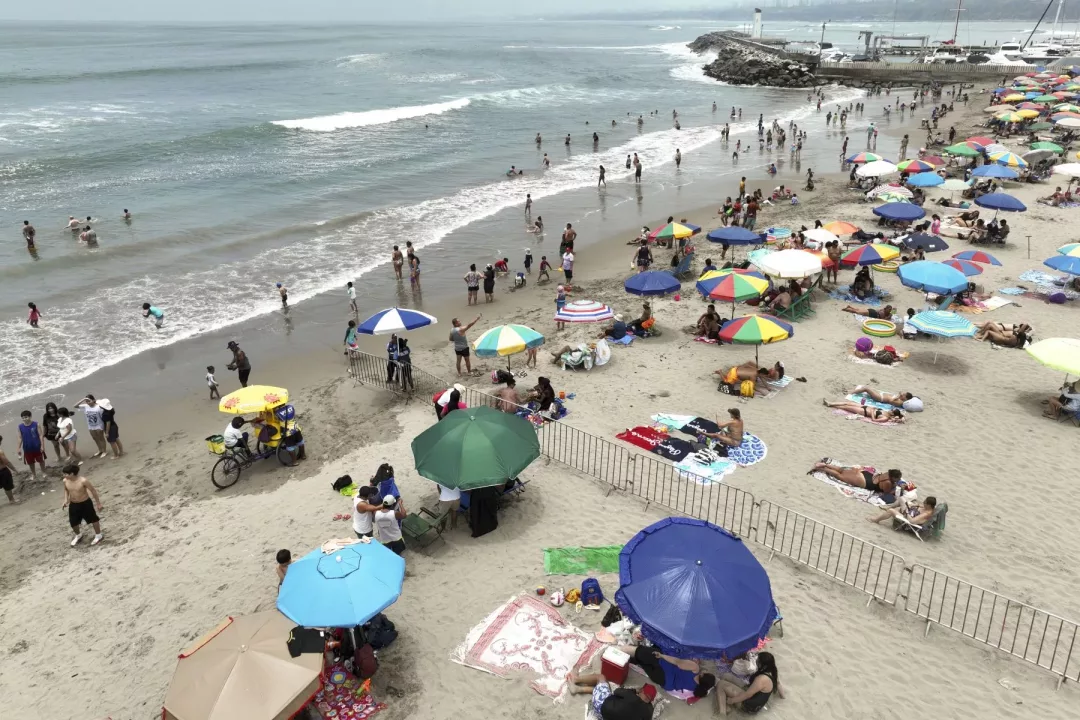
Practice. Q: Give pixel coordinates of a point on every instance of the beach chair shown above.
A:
(684, 267)
(798, 309)
(417, 529)
(942, 304)
(931, 529)
(1074, 416)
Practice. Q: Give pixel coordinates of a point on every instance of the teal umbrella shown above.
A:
(475, 448)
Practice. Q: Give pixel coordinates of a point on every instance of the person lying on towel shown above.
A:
(904, 400)
(734, 377)
(883, 484)
(682, 678)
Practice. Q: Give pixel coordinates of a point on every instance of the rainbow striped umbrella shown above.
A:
(507, 340)
(756, 330)
(584, 311)
(865, 157)
(1064, 114)
(1067, 107)
(908, 167)
(671, 230)
(977, 256)
(1008, 159)
(943, 324)
(965, 266)
(1009, 117)
(872, 254)
(1030, 106)
(732, 286)
(1072, 250)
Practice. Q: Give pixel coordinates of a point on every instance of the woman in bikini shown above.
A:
(871, 413)
(883, 483)
(1000, 328)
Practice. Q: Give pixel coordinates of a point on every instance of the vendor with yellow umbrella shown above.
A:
(274, 414)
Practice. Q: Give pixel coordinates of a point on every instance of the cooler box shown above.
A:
(615, 665)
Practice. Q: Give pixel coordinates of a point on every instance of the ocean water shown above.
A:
(255, 155)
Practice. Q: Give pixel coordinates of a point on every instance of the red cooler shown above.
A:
(615, 665)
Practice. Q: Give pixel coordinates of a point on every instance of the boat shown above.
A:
(947, 53)
(1008, 53)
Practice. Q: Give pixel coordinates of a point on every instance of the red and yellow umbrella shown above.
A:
(756, 330)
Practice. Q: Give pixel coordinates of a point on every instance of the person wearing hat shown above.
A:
(112, 433)
(284, 293)
(617, 331)
(240, 362)
(619, 704)
(387, 524)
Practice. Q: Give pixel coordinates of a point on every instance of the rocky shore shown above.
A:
(739, 62)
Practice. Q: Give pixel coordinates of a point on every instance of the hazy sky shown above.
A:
(319, 10)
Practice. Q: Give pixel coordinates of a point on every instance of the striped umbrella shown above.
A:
(507, 340)
(872, 254)
(908, 167)
(1064, 114)
(935, 160)
(395, 320)
(1009, 117)
(978, 256)
(944, 324)
(1072, 250)
(865, 157)
(670, 231)
(732, 287)
(1030, 106)
(1067, 107)
(1008, 159)
(980, 140)
(584, 311)
(965, 266)
(756, 330)
(892, 196)
(840, 227)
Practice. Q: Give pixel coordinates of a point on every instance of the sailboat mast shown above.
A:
(956, 25)
(1057, 16)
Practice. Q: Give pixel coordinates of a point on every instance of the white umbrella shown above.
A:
(880, 189)
(1033, 156)
(820, 235)
(790, 264)
(877, 168)
(954, 184)
(1069, 122)
(997, 109)
(995, 148)
(1068, 169)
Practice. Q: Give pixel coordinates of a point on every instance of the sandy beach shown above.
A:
(103, 625)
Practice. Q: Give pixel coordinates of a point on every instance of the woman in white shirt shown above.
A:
(449, 501)
(387, 528)
(362, 521)
(68, 436)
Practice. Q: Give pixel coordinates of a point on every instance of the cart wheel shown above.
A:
(283, 455)
(226, 472)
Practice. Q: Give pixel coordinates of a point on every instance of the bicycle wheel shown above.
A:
(226, 472)
(284, 456)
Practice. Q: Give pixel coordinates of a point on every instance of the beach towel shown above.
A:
(781, 383)
(527, 636)
(1049, 283)
(872, 300)
(674, 422)
(867, 361)
(673, 449)
(852, 492)
(865, 400)
(860, 418)
(582, 560)
(707, 341)
(995, 302)
(700, 425)
(344, 697)
(751, 452)
(642, 436)
(627, 339)
(1012, 291)
(710, 474)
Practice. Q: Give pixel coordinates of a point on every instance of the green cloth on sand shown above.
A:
(582, 560)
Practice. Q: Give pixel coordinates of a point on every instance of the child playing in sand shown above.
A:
(82, 503)
(545, 266)
(212, 382)
(284, 560)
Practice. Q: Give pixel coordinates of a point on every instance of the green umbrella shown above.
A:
(1040, 126)
(961, 149)
(475, 448)
(1043, 145)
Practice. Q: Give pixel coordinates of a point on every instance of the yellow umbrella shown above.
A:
(1014, 97)
(253, 399)
(1010, 117)
(1028, 114)
(1062, 354)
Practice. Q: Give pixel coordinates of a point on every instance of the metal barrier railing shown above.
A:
(1033, 635)
(862, 565)
(1021, 630)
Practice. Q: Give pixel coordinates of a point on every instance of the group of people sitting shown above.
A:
(1058, 197)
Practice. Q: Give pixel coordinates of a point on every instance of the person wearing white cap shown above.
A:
(617, 331)
(387, 524)
(112, 433)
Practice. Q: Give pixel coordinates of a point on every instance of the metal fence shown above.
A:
(844, 557)
(1021, 630)
(855, 68)
(1033, 635)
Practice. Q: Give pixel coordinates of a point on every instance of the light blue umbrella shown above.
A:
(930, 276)
(1064, 263)
(943, 324)
(926, 179)
(342, 589)
(394, 320)
(995, 171)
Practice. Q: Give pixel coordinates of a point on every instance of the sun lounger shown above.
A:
(931, 529)
(943, 303)
(799, 308)
(416, 529)
(684, 267)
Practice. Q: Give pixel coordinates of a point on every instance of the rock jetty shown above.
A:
(742, 62)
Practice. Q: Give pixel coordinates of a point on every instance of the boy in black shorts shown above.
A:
(82, 503)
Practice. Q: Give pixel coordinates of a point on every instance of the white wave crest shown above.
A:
(342, 121)
(358, 59)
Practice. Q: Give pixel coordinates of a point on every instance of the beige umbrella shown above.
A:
(242, 671)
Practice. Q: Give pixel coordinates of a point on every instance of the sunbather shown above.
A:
(1016, 339)
(731, 432)
(873, 414)
(901, 399)
(615, 704)
(1068, 400)
(672, 674)
(749, 371)
(1001, 328)
(882, 483)
(913, 515)
(883, 314)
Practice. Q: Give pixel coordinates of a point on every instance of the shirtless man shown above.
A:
(509, 402)
(904, 400)
(82, 503)
(731, 432)
(749, 370)
(28, 232)
(398, 259)
(73, 224)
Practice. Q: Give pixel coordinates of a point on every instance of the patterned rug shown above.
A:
(528, 636)
(344, 697)
(751, 452)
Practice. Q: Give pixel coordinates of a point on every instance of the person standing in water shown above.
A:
(678, 158)
(284, 293)
(601, 180)
(538, 140)
(528, 205)
(351, 292)
(73, 224)
(567, 141)
(629, 162)
(414, 270)
(398, 260)
(28, 233)
(547, 163)
(126, 216)
(151, 311)
(35, 315)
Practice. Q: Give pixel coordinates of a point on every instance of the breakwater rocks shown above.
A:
(742, 62)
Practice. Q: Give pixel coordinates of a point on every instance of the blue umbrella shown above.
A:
(930, 276)
(995, 171)
(1000, 201)
(394, 320)
(735, 235)
(1064, 263)
(929, 243)
(926, 179)
(899, 211)
(653, 282)
(696, 589)
(342, 589)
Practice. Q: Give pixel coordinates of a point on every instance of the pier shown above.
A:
(883, 73)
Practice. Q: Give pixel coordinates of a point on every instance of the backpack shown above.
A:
(341, 483)
(884, 357)
(380, 632)
(591, 594)
(365, 663)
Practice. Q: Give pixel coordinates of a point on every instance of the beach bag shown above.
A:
(365, 663)
(590, 592)
(380, 632)
(884, 357)
(648, 323)
(746, 388)
(613, 615)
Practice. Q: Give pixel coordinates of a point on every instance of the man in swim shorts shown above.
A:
(82, 503)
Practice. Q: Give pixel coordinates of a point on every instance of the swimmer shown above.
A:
(284, 293)
(538, 140)
(547, 163)
(73, 224)
(566, 142)
(602, 180)
(126, 215)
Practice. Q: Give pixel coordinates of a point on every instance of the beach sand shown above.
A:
(103, 625)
